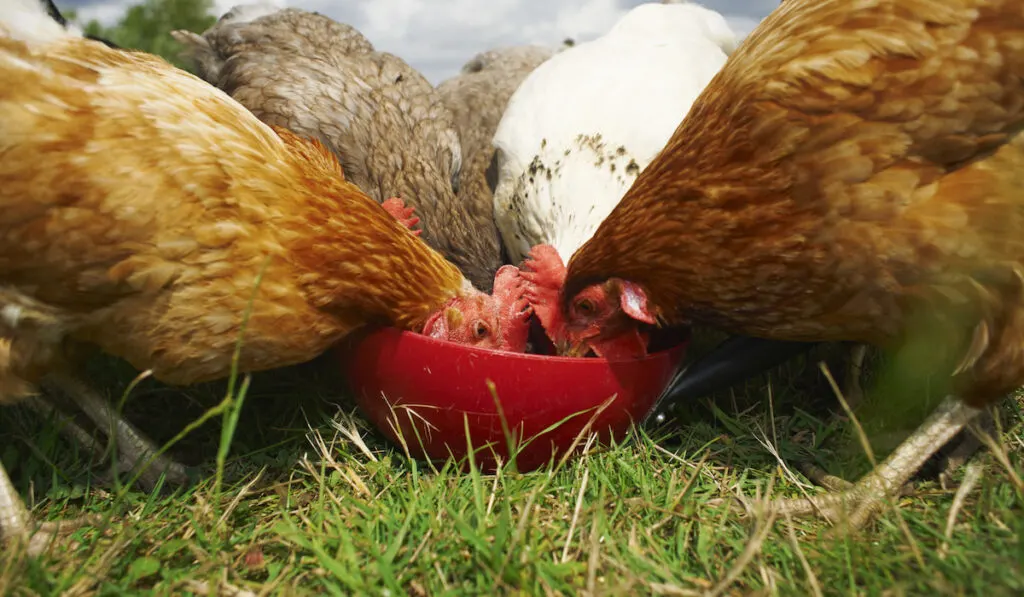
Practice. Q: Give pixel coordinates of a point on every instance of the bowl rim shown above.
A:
(540, 358)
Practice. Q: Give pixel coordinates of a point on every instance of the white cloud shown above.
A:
(438, 36)
(104, 12)
(742, 26)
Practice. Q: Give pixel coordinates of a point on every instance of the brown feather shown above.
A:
(384, 121)
(138, 206)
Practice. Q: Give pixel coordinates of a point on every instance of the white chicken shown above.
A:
(581, 127)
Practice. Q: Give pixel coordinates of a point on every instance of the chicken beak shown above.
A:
(562, 347)
(572, 347)
(578, 350)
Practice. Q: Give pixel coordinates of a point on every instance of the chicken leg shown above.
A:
(854, 395)
(67, 425)
(967, 447)
(867, 495)
(134, 448)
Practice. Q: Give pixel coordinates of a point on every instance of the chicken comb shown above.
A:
(544, 273)
(515, 309)
(396, 207)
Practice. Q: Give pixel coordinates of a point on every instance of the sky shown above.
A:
(438, 36)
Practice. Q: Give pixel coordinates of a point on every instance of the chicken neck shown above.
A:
(736, 257)
(361, 263)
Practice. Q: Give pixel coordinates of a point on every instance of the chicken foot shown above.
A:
(854, 395)
(134, 448)
(16, 524)
(967, 447)
(864, 498)
(837, 484)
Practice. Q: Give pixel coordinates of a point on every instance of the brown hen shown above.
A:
(855, 172)
(146, 213)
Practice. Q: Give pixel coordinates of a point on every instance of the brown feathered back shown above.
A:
(383, 120)
(477, 96)
(853, 163)
(139, 206)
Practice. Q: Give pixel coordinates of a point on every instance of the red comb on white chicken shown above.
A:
(617, 338)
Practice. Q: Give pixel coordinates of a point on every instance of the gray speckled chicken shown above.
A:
(385, 122)
(478, 96)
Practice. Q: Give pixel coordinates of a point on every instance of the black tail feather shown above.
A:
(54, 12)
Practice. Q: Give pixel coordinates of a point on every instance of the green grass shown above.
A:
(305, 508)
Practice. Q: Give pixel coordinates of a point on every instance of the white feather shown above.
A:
(28, 21)
(12, 315)
(581, 126)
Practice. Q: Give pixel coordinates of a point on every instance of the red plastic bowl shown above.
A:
(431, 391)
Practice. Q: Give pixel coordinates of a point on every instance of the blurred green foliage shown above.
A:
(147, 26)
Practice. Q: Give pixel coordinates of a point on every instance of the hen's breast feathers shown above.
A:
(841, 161)
(156, 201)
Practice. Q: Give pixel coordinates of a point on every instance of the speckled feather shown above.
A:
(581, 126)
(477, 96)
(138, 206)
(383, 120)
(855, 163)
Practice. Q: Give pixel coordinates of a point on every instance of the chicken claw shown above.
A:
(867, 496)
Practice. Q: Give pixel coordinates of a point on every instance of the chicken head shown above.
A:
(499, 321)
(603, 318)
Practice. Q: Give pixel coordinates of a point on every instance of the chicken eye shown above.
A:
(480, 330)
(586, 307)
